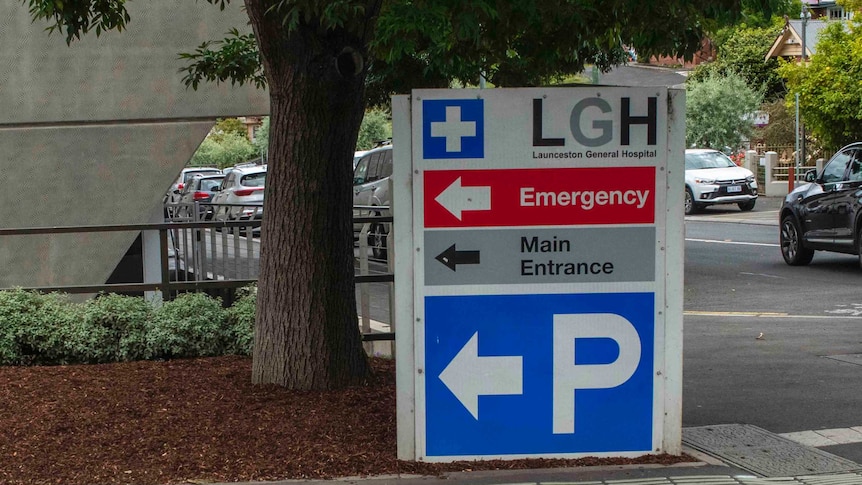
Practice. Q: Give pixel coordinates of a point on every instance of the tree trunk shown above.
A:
(306, 331)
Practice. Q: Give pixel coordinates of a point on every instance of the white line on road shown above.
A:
(764, 275)
(740, 243)
(695, 313)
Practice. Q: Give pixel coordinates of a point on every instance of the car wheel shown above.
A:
(690, 205)
(747, 206)
(792, 249)
(377, 241)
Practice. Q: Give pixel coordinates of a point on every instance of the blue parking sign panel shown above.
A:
(539, 374)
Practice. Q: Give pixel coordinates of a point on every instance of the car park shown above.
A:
(371, 195)
(200, 189)
(712, 178)
(826, 213)
(240, 196)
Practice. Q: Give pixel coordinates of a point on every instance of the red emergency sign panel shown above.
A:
(539, 197)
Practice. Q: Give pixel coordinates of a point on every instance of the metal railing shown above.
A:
(196, 254)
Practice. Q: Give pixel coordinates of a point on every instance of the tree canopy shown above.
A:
(830, 95)
(742, 52)
(323, 61)
(719, 110)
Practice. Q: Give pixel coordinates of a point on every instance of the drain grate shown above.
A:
(763, 453)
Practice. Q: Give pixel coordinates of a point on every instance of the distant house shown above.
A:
(789, 41)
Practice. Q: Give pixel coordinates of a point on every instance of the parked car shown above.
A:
(174, 193)
(825, 214)
(712, 178)
(200, 189)
(371, 189)
(241, 195)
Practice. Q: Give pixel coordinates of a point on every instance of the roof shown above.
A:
(644, 76)
(789, 41)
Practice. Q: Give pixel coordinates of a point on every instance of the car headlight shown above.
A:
(704, 181)
(749, 179)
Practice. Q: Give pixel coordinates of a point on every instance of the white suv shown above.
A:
(711, 177)
(371, 189)
(240, 196)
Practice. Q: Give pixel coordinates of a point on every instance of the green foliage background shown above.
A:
(742, 52)
(375, 127)
(830, 86)
(718, 110)
(223, 151)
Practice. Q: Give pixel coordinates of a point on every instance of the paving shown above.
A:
(763, 453)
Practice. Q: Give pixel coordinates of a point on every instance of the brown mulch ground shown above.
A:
(202, 420)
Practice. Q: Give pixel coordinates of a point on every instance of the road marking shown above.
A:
(738, 243)
(764, 275)
(755, 314)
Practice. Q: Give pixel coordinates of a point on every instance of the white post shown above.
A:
(151, 258)
(364, 298)
(771, 162)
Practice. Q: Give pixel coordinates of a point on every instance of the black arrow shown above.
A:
(452, 257)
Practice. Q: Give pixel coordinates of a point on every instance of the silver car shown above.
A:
(370, 191)
(200, 189)
(241, 195)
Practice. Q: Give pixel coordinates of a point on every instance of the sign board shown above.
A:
(533, 243)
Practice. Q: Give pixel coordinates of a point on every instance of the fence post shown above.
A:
(791, 178)
(819, 164)
(364, 298)
(152, 259)
(769, 177)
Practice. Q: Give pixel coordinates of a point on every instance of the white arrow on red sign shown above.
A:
(457, 199)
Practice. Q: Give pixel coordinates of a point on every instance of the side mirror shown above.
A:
(810, 175)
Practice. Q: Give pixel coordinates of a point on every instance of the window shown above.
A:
(838, 13)
(253, 179)
(386, 164)
(373, 167)
(835, 169)
(361, 170)
(855, 168)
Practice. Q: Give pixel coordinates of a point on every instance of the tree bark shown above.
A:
(306, 332)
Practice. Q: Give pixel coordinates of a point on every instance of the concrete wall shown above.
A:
(95, 133)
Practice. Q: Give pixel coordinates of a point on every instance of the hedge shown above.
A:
(50, 329)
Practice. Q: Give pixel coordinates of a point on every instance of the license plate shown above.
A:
(733, 188)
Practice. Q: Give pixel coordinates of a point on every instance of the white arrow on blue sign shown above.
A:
(469, 376)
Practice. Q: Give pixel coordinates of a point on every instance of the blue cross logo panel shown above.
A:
(453, 128)
(539, 374)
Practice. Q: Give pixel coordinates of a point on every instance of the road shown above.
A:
(767, 344)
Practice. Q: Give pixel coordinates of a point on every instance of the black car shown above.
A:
(826, 214)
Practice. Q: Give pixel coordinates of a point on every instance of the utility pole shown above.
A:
(804, 15)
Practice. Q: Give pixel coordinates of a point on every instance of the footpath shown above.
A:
(725, 454)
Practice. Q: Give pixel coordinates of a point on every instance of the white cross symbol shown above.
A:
(453, 128)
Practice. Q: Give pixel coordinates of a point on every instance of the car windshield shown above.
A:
(197, 173)
(697, 161)
(209, 185)
(253, 179)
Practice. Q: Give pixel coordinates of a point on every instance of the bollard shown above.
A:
(791, 176)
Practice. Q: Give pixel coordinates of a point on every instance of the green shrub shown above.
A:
(192, 325)
(109, 328)
(240, 318)
(31, 327)
(49, 329)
